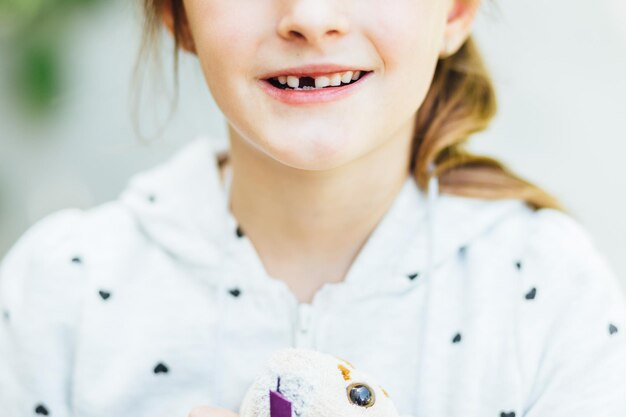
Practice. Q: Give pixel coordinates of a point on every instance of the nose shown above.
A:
(312, 21)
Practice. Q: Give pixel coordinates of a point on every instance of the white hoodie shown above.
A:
(157, 302)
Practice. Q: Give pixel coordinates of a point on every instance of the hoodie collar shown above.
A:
(182, 206)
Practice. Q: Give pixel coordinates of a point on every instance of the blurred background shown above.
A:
(67, 137)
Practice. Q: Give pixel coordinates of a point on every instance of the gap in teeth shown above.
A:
(304, 83)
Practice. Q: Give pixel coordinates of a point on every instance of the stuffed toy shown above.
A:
(308, 383)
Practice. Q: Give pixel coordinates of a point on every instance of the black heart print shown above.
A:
(41, 409)
(161, 368)
(511, 414)
(412, 276)
(612, 328)
(104, 294)
(457, 338)
(235, 292)
(531, 294)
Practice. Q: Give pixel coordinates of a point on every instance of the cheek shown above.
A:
(410, 27)
(221, 41)
(407, 34)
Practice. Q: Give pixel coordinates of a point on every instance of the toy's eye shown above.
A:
(361, 395)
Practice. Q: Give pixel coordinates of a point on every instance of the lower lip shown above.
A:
(322, 95)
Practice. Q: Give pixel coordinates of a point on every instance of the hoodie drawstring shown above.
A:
(221, 291)
(433, 195)
(216, 399)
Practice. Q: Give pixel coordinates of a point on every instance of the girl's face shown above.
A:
(240, 43)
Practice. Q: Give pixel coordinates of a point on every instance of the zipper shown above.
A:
(302, 332)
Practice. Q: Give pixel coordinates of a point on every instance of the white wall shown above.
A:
(559, 68)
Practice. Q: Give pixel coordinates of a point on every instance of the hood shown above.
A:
(174, 203)
(181, 206)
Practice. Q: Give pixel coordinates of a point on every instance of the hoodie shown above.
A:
(156, 302)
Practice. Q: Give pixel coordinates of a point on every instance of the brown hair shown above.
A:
(461, 101)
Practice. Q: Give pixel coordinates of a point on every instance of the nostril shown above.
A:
(295, 34)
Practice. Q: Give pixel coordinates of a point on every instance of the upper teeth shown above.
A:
(322, 81)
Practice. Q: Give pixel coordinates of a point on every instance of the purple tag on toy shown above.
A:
(280, 406)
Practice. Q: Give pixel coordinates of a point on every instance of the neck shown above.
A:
(313, 221)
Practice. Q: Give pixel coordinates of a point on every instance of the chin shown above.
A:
(311, 153)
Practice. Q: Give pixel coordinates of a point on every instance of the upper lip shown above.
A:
(314, 70)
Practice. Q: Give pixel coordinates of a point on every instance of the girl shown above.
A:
(345, 216)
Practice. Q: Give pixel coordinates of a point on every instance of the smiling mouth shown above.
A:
(317, 83)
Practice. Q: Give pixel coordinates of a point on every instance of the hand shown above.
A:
(206, 411)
